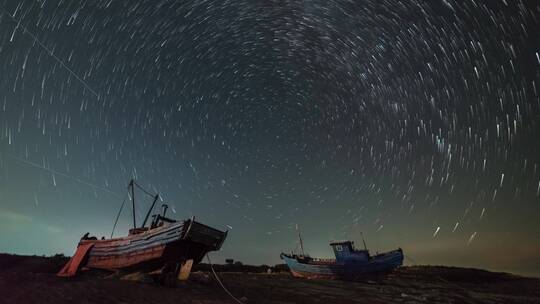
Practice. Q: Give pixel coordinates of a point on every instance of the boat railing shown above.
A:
(323, 260)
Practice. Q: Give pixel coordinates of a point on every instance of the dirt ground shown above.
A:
(32, 280)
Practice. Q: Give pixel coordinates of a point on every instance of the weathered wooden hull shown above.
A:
(154, 248)
(349, 271)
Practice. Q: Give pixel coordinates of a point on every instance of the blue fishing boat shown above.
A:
(349, 264)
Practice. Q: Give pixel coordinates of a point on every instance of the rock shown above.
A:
(137, 277)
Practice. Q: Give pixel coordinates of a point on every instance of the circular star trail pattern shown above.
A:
(415, 122)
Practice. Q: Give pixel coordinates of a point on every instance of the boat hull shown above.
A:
(311, 269)
(152, 249)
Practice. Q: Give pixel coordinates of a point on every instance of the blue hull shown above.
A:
(314, 269)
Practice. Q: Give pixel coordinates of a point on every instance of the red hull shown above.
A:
(150, 249)
(126, 260)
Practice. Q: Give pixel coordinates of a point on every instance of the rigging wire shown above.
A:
(119, 212)
(143, 189)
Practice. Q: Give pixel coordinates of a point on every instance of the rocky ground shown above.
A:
(31, 280)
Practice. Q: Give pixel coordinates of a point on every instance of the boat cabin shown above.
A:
(346, 253)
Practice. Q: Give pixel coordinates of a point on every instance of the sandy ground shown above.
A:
(32, 280)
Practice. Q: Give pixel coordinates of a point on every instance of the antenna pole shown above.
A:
(131, 184)
(150, 210)
(165, 207)
(364, 241)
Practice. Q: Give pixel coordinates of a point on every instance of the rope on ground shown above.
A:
(219, 281)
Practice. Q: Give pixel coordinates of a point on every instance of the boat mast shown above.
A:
(131, 184)
(364, 241)
(300, 238)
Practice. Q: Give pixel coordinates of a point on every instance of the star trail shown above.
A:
(414, 122)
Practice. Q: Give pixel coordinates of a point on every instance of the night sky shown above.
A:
(414, 122)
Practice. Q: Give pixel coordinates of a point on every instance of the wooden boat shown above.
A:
(166, 244)
(349, 264)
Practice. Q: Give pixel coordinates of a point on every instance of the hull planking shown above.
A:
(174, 243)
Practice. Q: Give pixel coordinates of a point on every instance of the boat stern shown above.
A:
(204, 235)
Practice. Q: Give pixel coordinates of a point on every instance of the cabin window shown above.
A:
(339, 248)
